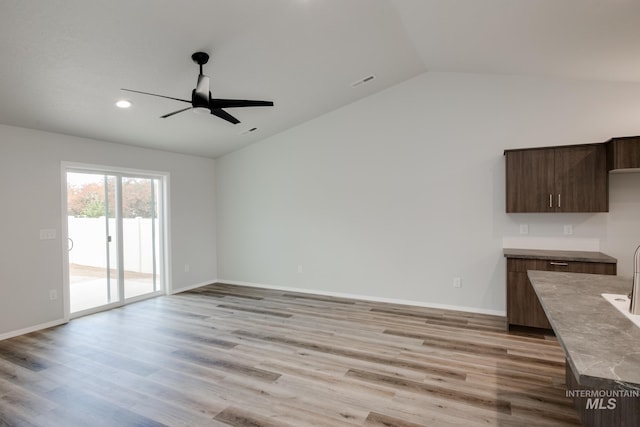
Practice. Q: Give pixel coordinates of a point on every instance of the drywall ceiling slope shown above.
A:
(64, 61)
(576, 39)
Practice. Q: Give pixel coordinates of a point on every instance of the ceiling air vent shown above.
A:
(363, 81)
(248, 131)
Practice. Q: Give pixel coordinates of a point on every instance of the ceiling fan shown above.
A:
(201, 100)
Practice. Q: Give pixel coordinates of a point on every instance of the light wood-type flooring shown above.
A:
(227, 355)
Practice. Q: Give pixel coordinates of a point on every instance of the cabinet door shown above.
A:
(523, 307)
(530, 180)
(581, 179)
(624, 153)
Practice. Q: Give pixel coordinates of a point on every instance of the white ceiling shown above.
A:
(63, 61)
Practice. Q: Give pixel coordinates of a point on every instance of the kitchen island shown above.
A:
(601, 345)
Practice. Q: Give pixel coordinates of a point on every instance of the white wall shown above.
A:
(30, 190)
(394, 195)
(389, 197)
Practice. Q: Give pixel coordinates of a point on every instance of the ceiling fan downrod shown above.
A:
(200, 58)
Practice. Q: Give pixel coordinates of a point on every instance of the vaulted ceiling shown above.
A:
(63, 62)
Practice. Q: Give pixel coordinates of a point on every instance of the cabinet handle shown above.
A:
(558, 200)
(561, 264)
(550, 200)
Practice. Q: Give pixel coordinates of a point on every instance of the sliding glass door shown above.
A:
(93, 266)
(116, 235)
(140, 233)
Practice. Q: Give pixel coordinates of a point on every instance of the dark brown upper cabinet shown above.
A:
(623, 153)
(557, 179)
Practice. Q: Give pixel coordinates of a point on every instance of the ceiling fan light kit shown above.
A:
(201, 100)
(201, 110)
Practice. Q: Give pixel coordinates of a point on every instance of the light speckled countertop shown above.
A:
(601, 344)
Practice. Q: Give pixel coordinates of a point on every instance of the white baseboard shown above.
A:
(287, 289)
(368, 298)
(32, 329)
(194, 286)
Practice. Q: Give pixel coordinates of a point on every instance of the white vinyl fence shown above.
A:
(90, 242)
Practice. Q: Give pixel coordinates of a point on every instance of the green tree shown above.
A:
(94, 208)
(89, 199)
(85, 200)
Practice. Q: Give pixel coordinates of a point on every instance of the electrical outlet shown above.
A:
(524, 228)
(53, 295)
(568, 230)
(457, 282)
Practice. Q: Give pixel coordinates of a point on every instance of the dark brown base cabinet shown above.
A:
(523, 307)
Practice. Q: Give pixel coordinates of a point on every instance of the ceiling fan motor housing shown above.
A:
(200, 95)
(199, 101)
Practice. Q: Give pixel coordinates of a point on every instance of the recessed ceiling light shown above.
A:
(123, 103)
(248, 131)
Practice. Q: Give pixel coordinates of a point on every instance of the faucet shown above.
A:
(634, 296)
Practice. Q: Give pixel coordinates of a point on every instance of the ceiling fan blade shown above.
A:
(234, 103)
(175, 112)
(153, 94)
(224, 115)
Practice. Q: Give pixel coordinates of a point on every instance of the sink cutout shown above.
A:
(621, 302)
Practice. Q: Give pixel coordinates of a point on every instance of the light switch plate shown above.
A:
(47, 234)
